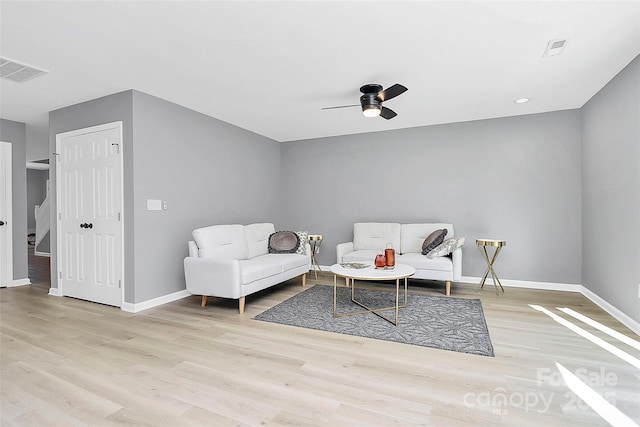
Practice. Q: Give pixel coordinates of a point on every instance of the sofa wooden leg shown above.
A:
(304, 280)
(447, 287)
(346, 282)
(204, 301)
(241, 305)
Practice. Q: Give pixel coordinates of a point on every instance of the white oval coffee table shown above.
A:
(400, 271)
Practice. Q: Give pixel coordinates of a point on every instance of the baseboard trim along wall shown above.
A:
(19, 282)
(145, 305)
(55, 292)
(620, 316)
(547, 286)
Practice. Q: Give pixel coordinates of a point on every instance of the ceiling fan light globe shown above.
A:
(371, 110)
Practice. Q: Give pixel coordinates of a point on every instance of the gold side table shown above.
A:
(482, 245)
(315, 240)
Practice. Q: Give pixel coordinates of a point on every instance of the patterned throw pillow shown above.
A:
(446, 247)
(283, 242)
(433, 240)
(304, 239)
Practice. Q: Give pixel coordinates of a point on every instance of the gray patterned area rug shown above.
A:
(447, 323)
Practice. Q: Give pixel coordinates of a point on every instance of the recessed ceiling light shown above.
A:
(521, 100)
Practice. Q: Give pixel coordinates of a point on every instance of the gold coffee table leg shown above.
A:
(368, 309)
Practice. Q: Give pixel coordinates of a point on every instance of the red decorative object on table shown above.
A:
(390, 257)
(380, 261)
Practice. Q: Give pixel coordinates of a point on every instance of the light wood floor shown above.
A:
(70, 362)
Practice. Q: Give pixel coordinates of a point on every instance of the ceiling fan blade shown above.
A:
(391, 92)
(387, 113)
(340, 106)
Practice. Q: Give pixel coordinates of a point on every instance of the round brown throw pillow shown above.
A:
(283, 242)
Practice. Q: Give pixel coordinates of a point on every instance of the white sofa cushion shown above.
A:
(258, 238)
(221, 241)
(290, 261)
(421, 262)
(258, 268)
(270, 265)
(375, 235)
(412, 235)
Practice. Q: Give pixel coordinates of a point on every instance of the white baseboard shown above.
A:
(145, 305)
(135, 308)
(19, 282)
(613, 311)
(55, 292)
(38, 253)
(547, 286)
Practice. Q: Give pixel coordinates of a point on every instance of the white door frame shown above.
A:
(73, 133)
(6, 167)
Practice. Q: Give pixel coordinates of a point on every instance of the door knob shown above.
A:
(90, 225)
(84, 225)
(2, 223)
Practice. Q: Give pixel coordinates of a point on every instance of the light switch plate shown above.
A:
(154, 205)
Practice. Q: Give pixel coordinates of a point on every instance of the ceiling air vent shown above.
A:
(12, 70)
(555, 47)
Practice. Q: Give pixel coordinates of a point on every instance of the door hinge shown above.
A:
(60, 274)
(60, 216)
(117, 147)
(118, 216)
(119, 283)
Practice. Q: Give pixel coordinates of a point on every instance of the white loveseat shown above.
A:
(371, 238)
(233, 261)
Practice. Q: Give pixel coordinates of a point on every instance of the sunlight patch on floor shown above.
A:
(588, 335)
(599, 326)
(598, 403)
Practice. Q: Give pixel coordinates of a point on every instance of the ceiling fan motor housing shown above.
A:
(371, 103)
(369, 99)
(371, 89)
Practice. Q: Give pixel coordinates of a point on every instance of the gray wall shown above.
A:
(515, 178)
(611, 192)
(15, 132)
(208, 171)
(112, 108)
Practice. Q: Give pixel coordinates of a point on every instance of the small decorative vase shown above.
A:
(390, 256)
(380, 261)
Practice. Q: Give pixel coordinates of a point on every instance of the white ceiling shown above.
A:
(270, 66)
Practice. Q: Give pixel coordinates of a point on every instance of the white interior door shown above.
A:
(6, 238)
(89, 206)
